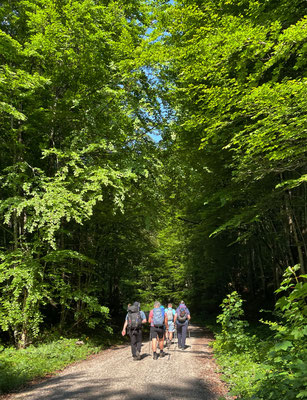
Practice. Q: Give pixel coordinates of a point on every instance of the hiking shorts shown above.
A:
(154, 332)
(171, 326)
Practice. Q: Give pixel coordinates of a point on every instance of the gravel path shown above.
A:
(112, 374)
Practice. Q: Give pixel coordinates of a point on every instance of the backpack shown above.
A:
(169, 313)
(134, 318)
(158, 317)
(182, 314)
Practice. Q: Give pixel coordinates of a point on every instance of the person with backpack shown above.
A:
(133, 326)
(181, 319)
(158, 323)
(170, 313)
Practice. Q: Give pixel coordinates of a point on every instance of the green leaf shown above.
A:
(282, 346)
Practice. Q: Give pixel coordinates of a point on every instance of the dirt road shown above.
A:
(112, 374)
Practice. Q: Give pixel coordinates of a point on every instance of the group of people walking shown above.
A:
(163, 322)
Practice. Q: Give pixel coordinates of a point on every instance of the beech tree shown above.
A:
(74, 107)
(233, 71)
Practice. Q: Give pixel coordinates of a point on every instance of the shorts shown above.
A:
(171, 326)
(154, 332)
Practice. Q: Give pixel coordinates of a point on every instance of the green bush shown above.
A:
(286, 360)
(233, 336)
(273, 368)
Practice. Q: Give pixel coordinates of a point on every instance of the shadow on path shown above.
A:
(59, 389)
(124, 382)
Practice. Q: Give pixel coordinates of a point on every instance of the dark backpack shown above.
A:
(182, 314)
(134, 318)
(158, 317)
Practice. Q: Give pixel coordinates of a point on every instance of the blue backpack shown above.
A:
(158, 317)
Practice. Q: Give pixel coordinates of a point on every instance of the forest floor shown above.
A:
(113, 374)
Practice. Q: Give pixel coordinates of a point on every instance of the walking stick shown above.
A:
(149, 342)
(175, 339)
(168, 344)
(189, 334)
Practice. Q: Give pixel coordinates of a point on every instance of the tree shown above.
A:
(74, 114)
(234, 73)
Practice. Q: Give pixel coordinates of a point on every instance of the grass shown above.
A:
(18, 367)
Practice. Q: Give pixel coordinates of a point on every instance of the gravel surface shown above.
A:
(112, 374)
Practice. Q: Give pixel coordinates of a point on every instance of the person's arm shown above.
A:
(144, 320)
(124, 327)
(149, 317)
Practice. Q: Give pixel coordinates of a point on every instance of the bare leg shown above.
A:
(154, 344)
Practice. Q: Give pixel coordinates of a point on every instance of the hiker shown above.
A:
(133, 326)
(182, 317)
(158, 322)
(170, 313)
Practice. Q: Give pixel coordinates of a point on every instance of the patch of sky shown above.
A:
(155, 133)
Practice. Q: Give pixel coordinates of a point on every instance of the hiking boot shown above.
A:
(162, 354)
(134, 358)
(155, 356)
(138, 355)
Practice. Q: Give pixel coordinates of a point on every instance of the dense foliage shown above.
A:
(271, 367)
(78, 169)
(94, 213)
(232, 75)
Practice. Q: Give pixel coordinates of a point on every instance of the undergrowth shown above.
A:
(267, 363)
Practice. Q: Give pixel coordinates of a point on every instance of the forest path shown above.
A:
(112, 374)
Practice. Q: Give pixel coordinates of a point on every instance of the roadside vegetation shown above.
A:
(50, 354)
(260, 364)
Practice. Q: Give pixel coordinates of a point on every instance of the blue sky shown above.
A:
(156, 137)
